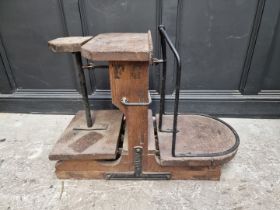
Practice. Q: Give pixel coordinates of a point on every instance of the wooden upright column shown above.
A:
(130, 80)
(128, 55)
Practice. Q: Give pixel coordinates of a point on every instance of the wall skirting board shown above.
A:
(219, 103)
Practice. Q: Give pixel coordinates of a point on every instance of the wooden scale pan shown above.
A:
(126, 143)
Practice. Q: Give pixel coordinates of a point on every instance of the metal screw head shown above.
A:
(138, 148)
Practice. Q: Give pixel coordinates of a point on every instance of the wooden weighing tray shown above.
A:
(81, 143)
(205, 140)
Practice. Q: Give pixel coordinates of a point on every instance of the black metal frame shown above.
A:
(164, 38)
(214, 154)
(83, 86)
(82, 80)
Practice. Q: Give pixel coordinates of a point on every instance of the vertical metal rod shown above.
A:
(83, 87)
(163, 80)
(176, 105)
(177, 86)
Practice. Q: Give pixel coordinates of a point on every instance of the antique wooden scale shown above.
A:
(127, 143)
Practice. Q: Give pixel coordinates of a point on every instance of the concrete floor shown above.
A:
(27, 181)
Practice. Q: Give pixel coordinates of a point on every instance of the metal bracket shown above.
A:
(125, 101)
(157, 61)
(96, 126)
(168, 130)
(88, 66)
(93, 66)
(138, 170)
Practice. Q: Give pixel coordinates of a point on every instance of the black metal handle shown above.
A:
(125, 101)
(165, 39)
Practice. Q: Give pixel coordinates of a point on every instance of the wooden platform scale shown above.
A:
(124, 143)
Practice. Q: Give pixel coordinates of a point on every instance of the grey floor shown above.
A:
(27, 181)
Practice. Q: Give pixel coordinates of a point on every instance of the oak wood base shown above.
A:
(94, 169)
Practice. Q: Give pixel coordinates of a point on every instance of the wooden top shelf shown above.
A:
(68, 44)
(119, 47)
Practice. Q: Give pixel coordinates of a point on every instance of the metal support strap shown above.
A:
(95, 126)
(138, 170)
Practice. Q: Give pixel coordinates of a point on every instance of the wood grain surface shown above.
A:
(130, 80)
(68, 44)
(151, 136)
(119, 47)
(197, 135)
(94, 169)
(76, 144)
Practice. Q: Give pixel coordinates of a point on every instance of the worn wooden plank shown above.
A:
(93, 169)
(76, 144)
(197, 135)
(119, 47)
(68, 44)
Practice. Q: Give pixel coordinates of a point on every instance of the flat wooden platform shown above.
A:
(97, 169)
(119, 47)
(77, 144)
(198, 135)
(68, 44)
